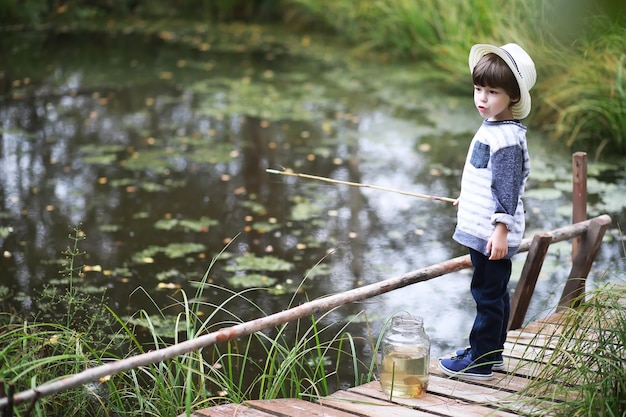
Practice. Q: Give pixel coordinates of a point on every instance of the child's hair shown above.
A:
(492, 71)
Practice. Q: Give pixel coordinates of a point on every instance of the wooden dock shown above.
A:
(445, 396)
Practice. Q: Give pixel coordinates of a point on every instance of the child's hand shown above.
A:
(497, 246)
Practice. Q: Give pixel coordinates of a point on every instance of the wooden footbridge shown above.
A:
(445, 396)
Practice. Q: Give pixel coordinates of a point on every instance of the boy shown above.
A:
(490, 219)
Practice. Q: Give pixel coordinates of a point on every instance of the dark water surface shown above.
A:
(158, 149)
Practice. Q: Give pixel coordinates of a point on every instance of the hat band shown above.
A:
(512, 60)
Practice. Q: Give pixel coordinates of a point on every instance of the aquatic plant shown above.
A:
(35, 350)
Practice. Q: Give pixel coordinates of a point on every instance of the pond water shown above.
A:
(157, 147)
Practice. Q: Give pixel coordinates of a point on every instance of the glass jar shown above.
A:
(404, 357)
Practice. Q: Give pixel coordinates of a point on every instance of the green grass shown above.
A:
(583, 374)
(299, 359)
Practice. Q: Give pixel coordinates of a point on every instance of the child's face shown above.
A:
(493, 103)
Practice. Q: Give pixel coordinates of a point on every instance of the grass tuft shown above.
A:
(583, 373)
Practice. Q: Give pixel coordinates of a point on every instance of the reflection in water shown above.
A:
(120, 138)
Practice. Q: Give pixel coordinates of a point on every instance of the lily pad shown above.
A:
(265, 227)
(543, 193)
(150, 160)
(152, 187)
(255, 207)
(168, 275)
(306, 210)
(251, 281)
(319, 271)
(101, 154)
(612, 202)
(161, 326)
(251, 262)
(186, 225)
(110, 228)
(220, 153)
(5, 232)
(172, 251)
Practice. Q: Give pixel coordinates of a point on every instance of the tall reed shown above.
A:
(583, 374)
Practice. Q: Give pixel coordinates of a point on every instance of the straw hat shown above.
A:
(520, 63)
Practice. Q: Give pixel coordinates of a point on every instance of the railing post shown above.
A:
(581, 264)
(528, 279)
(579, 194)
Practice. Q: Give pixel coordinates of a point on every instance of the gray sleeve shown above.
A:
(507, 169)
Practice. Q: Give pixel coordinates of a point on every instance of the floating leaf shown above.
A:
(251, 281)
(255, 207)
(162, 326)
(305, 210)
(251, 262)
(179, 250)
(172, 251)
(263, 227)
(101, 154)
(151, 160)
(543, 193)
(5, 231)
(109, 228)
(168, 275)
(318, 271)
(186, 225)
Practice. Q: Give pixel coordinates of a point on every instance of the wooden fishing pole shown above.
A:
(357, 184)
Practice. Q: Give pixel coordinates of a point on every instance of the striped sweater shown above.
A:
(493, 181)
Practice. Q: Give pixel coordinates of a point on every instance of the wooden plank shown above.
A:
(581, 265)
(531, 339)
(579, 194)
(500, 396)
(352, 402)
(229, 410)
(295, 408)
(528, 279)
(433, 403)
(484, 395)
(511, 382)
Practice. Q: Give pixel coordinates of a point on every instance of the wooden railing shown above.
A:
(587, 233)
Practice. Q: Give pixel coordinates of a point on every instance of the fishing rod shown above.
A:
(357, 184)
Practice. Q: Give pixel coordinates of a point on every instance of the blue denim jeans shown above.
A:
(489, 289)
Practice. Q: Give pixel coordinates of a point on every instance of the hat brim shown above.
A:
(521, 109)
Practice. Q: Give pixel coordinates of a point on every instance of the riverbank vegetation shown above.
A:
(301, 359)
(578, 46)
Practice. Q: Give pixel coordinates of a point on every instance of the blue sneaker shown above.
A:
(463, 367)
(497, 365)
